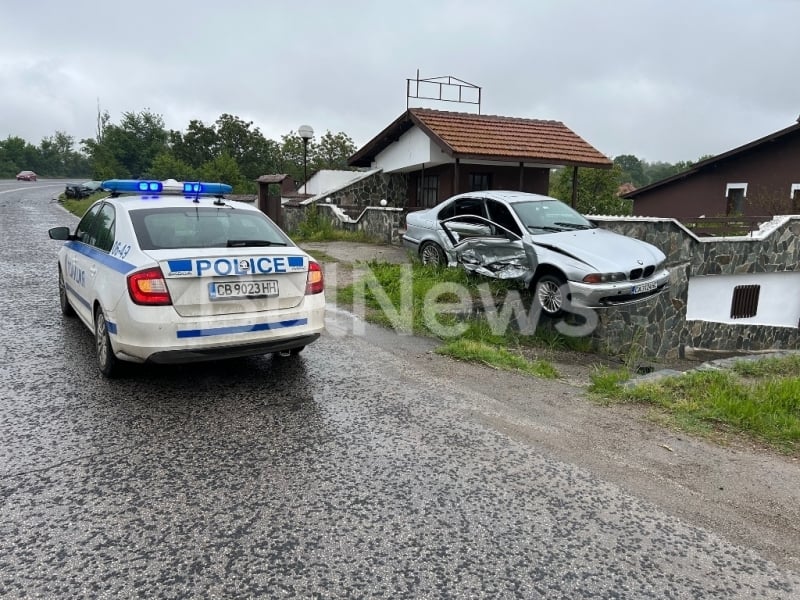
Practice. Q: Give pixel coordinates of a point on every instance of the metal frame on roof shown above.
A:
(447, 81)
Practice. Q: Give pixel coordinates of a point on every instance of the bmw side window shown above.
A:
(464, 209)
(83, 231)
(104, 228)
(447, 212)
(500, 214)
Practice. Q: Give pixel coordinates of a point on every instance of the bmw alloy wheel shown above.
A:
(549, 294)
(431, 254)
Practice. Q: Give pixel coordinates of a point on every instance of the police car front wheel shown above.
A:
(106, 360)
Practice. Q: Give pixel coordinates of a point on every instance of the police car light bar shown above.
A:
(142, 186)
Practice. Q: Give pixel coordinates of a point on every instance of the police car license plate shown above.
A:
(223, 290)
(644, 287)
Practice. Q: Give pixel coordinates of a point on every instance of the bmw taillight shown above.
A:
(314, 281)
(149, 287)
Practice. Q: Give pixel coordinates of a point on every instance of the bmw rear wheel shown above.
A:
(106, 360)
(550, 293)
(66, 307)
(432, 254)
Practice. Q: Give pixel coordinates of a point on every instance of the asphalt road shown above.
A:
(351, 472)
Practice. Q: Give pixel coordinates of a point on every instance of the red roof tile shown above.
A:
(491, 137)
(509, 137)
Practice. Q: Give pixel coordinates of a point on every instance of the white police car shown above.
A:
(172, 272)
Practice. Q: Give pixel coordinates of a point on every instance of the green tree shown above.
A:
(19, 155)
(597, 191)
(195, 147)
(128, 149)
(292, 157)
(224, 169)
(632, 169)
(167, 166)
(58, 157)
(245, 144)
(332, 151)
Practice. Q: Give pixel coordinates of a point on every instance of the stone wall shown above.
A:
(379, 222)
(658, 328)
(393, 187)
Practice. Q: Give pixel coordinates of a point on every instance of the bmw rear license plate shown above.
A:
(644, 287)
(222, 290)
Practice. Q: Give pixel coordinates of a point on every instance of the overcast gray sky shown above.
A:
(662, 79)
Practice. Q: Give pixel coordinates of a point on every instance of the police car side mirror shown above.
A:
(59, 233)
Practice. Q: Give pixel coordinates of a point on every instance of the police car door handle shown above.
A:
(93, 270)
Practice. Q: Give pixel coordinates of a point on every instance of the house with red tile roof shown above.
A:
(442, 153)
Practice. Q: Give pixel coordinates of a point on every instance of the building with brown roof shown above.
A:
(758, 178)
(445, 153)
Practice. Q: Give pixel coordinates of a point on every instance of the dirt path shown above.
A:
(744, 492)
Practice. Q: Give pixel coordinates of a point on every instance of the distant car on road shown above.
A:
(82, 190)
(26, 176)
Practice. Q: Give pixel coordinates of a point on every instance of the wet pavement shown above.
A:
(350, 472)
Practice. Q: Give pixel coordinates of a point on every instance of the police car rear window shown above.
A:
(202, 227)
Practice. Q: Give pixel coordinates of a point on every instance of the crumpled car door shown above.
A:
(487, 248)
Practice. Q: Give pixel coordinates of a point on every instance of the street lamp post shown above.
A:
(306, 132)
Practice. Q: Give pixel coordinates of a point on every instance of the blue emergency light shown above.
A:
(204, 188)
(142, 186)
(119, 186)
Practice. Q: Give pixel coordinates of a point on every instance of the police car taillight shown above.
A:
(314, 281)
(149, 287)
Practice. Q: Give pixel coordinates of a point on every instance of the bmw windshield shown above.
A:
(549, 216)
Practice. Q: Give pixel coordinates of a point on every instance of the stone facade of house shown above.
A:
(392, 187)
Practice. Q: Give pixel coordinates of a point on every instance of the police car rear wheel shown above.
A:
(106, 361)
(66, 307)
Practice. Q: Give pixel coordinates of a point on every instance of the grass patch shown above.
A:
(607, 382)
(785, 366)
(332, 234)
(761, 401)
(499, 358)
(448, 304)
(315, 227)
(79, 206)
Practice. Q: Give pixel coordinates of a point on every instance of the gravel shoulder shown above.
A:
(743, 492)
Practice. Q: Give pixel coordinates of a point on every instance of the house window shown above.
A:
(428, 190)
(736, 194)
(795, 197)
(480, 181)
(744, 303)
